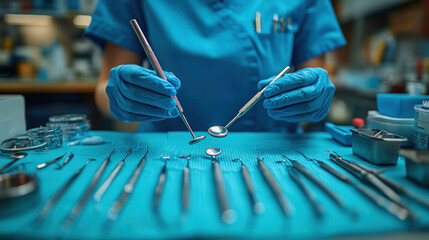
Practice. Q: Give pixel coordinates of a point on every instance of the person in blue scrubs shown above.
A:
(215, 62)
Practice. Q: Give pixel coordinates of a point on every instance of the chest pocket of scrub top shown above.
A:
(276, 45)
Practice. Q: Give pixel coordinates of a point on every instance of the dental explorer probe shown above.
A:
(274, 186)
(391, 207)
(127, 189)
(157, 67)
(219, 131)
(103, 188)
(77, 209)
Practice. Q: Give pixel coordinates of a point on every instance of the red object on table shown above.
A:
(358, 122)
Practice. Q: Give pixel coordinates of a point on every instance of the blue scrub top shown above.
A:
(213, 48)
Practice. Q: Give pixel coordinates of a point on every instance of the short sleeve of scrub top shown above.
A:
(318, 33)
(111, 23)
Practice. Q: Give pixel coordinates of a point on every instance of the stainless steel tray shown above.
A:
(417, 165)
(376, 146)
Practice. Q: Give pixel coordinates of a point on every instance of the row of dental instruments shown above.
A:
(310, 176)
(371, 179)
(103, 188)
(51, 202)
(128, 188)
(77, 209)
(157, 67)
(391, 207)
(274, 186)
(219, 131)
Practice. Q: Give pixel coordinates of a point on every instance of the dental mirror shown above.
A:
(218, 131)
(15, 156)
(213, 152)
(196, 139)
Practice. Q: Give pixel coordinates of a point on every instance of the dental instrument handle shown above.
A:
(228, 215)
(103, 188)
(256, 98)
(185, 191)
(257, 206)
(151, 56)
(334, 172)
(127, 189)
(318, 209)
(159, 188)
(274, 186)
(67, 160)
(157, 67)
(9, 164)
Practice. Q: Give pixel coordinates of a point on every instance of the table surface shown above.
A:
(138, 220)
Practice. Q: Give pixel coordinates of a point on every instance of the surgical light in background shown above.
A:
(82, 21)
(26, 19)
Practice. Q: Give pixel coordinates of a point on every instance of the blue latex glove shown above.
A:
(301, 96)
(137, 94)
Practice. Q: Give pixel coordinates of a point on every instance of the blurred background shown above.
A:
(45, 57)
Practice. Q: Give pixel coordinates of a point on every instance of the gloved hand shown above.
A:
(301, 96)
(137, 94)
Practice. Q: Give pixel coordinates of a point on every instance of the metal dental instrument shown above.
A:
(258, 22)
(159, 187)
(77, 209)
(219, 131)
(103, 188)
(395, 186)
(185, 189)
(274, 186)
(293, 174)
(391, 207)
(43, 165)
(257, 206)
(282, 24)
(372, 180)
(47, 207)
(67, 160)
(310, 176)
(157, 67)
(228, 214)
(127, 189)
(16, 157)
(275, 21)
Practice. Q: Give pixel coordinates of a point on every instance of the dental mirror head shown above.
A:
(213, 151)
(198, 139)
(218, 131)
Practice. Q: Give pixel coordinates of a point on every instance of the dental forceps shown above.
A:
(391, 207)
